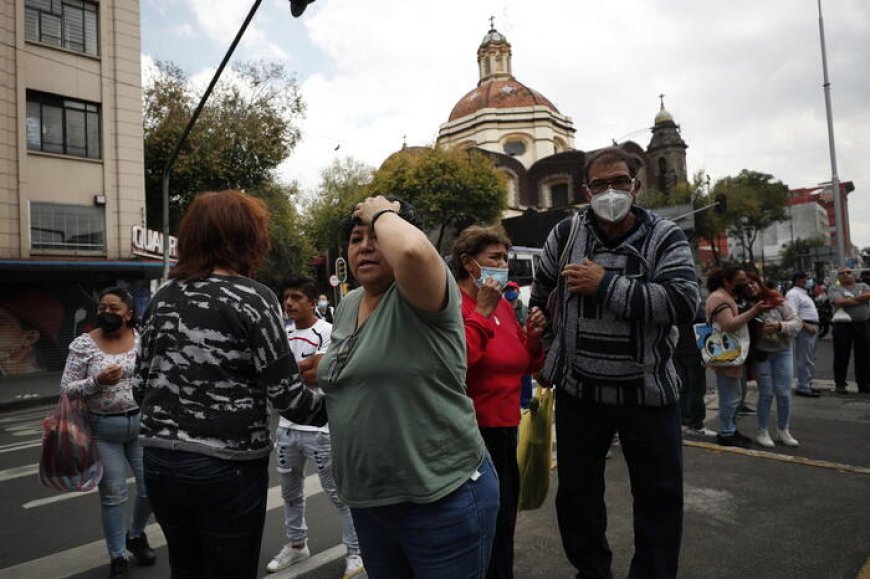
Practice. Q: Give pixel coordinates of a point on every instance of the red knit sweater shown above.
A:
(498, 357)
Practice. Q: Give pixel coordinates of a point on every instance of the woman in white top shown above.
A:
(99, 368)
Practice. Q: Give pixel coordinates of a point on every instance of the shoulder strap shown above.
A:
(569, 243)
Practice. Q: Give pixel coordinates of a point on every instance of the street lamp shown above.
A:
(297, 7)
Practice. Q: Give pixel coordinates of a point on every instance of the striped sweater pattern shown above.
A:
(620, 340)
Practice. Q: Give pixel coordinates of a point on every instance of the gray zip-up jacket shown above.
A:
(620, 341)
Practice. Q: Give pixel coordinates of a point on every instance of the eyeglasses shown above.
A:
(850, 272)
(620, 182)
(337, 364)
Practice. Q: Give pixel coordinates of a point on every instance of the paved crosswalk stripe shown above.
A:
(18, 472)
(92, 555)
(16, 446)
(62, 497)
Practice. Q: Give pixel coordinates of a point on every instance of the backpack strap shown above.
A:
(569, 243)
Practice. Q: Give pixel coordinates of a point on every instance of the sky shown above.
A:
(742, 78)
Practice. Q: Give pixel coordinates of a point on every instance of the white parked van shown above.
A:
(522, 264)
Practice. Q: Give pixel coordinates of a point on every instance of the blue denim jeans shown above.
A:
(292, 449)
(117, 440)
(805, 359)
(774, 377)
(211, 512)
(451, 537)
(729, 401)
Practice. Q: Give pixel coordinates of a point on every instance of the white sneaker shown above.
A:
(763, 438)
(703, 431)
(354, 566)
(786, 438)
(287, 557)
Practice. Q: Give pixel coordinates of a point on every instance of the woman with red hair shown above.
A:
(213, 357)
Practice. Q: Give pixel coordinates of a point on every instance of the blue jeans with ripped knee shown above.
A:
(117, 440)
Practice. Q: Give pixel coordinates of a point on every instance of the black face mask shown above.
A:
(109, 322)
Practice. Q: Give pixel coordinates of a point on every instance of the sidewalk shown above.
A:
(31, 390)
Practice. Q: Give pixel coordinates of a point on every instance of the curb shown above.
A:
(27, 401)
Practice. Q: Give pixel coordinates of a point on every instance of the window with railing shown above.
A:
(57, 124)
(67, 227)
(69, 24)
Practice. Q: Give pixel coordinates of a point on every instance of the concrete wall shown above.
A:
(112, 80)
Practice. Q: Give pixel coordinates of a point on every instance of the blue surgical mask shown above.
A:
(499, 274)
(511, 295)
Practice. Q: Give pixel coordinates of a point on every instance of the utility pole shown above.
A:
(839, 225)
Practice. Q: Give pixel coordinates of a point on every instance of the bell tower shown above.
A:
(667, 152)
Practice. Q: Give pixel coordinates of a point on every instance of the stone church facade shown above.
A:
(532, 142)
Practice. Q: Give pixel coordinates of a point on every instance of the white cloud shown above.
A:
(184, 30)
(221, 20)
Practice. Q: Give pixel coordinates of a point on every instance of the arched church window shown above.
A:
(514, 148)
(663, 185)
(559, 195)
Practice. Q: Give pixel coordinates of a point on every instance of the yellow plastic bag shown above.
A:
(535, 450)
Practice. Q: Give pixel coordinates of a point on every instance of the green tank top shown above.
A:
(403, 429)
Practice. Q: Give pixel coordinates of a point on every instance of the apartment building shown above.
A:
(72, 196)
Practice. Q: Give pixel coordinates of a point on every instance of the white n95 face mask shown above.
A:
(611, 205)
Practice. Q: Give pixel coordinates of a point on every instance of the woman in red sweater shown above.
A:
(500, 352)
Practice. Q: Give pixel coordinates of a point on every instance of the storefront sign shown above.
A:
(149, 243)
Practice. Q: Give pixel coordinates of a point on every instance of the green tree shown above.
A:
(246, 129)
(449, 187)
(712, 222)
(292, 250)
(342, 185)
(755, 201)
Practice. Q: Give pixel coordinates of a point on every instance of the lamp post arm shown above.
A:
(167, 168)
(698, 210)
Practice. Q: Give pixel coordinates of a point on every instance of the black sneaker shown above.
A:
(118, 568)
(746, 442)
(141, 550)
(735, 439)
(808, 393)
(745, 410)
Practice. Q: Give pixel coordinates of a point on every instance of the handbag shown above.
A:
(535, 450)
(841, 315)
(69, 460)
(554, 366)
(721, 349)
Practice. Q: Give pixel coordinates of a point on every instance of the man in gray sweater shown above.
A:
(627, 279)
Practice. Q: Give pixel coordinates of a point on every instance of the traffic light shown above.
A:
(721, 204)
(297, 7)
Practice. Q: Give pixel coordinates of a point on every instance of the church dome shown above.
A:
(663, 116)
(493, 36)
(499, 94)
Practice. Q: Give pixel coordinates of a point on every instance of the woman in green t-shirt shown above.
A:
(407, 455)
